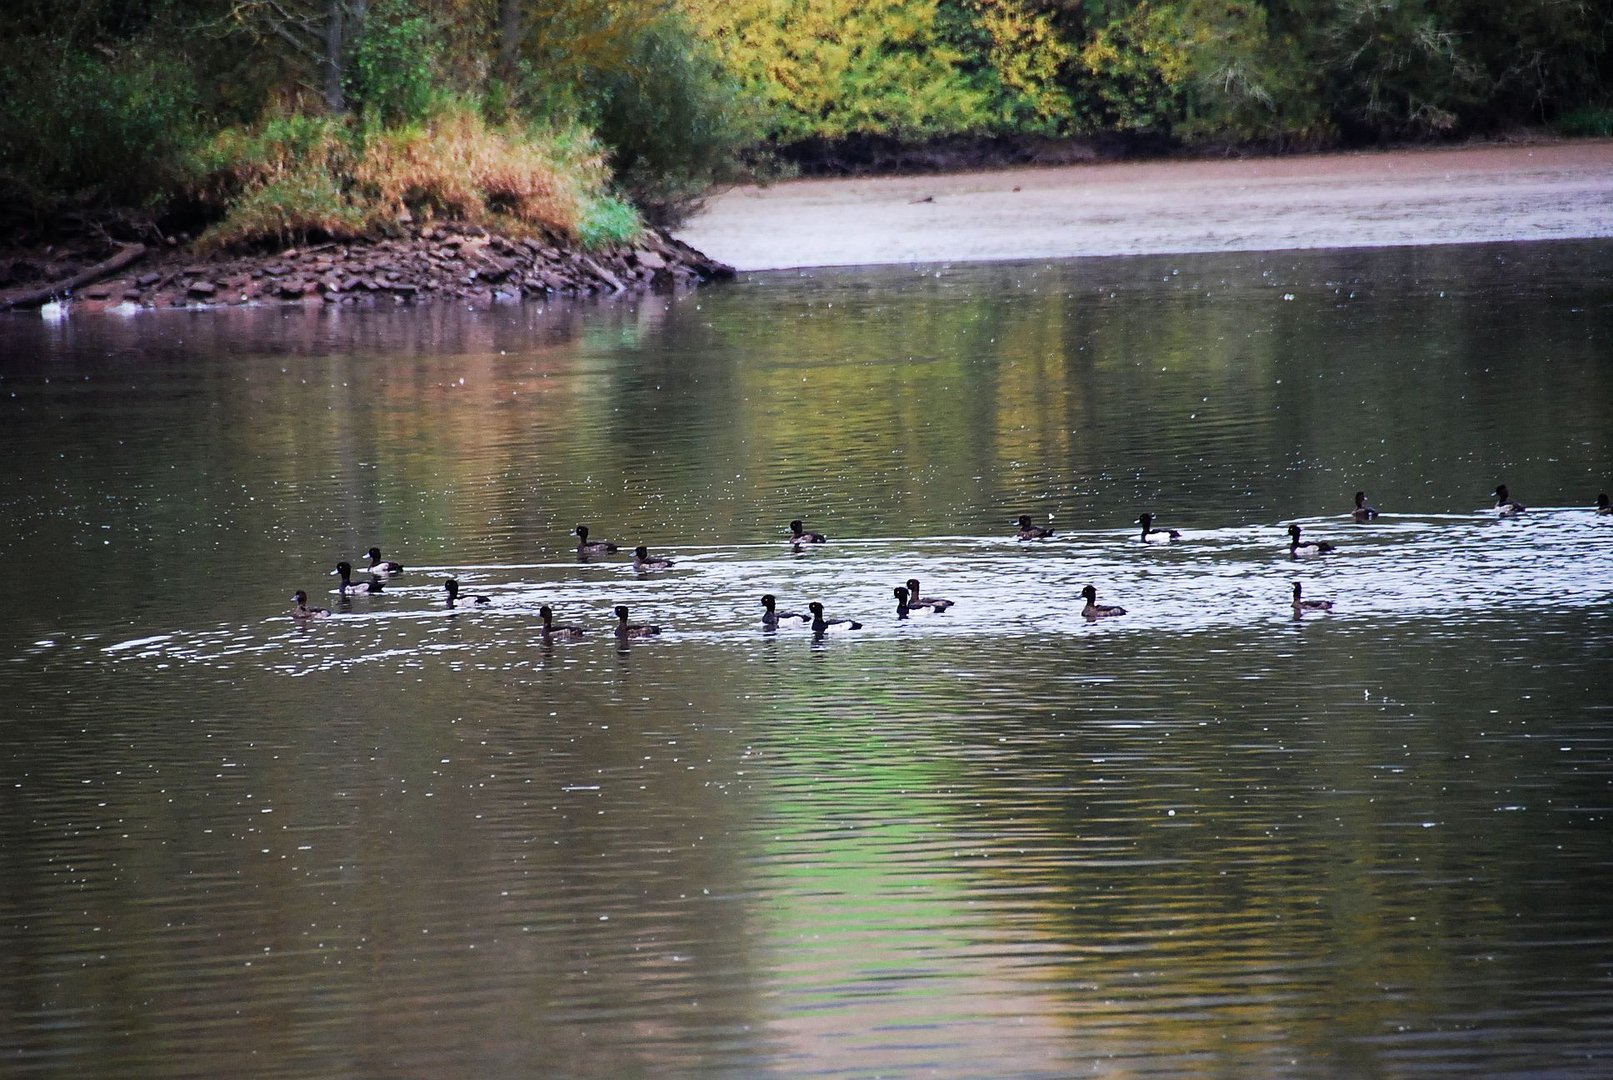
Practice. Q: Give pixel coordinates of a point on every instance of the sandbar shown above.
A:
(1544, 190)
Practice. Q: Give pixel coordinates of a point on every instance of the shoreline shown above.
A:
(437, 262)
(1549, 190)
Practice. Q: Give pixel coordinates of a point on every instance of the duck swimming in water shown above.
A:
(1027, 531)
(934, 603)
(1309, 550)
(1151, 535)
(1095, 610)
(800, 535)
(1505, 504)
(822, 626)
(625, 629)
(586, 547)
(344, 570)
(772, 618)
(1309, 605)
(382, 567)
(644, 564)
(1602, 504)
(1362, 512)
(551, 632)
(451, 586)
(303, 611)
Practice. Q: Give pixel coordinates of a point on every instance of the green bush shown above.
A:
(393, 78)
(607, 220)
(674, 122)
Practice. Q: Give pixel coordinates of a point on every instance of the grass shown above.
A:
(295, 178)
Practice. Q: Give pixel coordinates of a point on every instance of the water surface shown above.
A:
(1203, 839)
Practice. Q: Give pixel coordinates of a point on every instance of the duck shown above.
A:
(1027, 531)
(1362, 512)
(303, 611)
(1309, 605)
(800, 535)
(1505, 504)
(1309, 550)
(905, 607)
(902, 608)
(382, 567)
(1095, 610)
(344, 570)
(772, 618)
(586, 547)
(821, 626)
(452, 587)
(644, 564)
(1152, 535)
(934, 603)
(625, 629)
(552, 632)
(1602, 505)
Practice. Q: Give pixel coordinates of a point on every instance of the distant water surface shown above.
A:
(1207, 838)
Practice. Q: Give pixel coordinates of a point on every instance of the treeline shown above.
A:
(278, 119)
(1171, 72)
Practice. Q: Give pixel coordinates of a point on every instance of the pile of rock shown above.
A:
(463, 263)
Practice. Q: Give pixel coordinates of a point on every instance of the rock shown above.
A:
(202, 289)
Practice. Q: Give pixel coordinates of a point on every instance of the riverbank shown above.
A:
(463, 263)
(1535, 191)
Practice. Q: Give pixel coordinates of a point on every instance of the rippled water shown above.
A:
(1203, 839)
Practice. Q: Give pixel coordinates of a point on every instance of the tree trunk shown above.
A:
(39, 294)
(509, 39)
(335, 59)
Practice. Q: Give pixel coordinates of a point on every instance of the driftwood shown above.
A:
(38, 294)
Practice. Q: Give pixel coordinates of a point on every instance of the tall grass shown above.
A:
(296, 178)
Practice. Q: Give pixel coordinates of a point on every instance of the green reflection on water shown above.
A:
(1203, 840)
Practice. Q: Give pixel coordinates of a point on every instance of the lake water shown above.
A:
(1204, 839)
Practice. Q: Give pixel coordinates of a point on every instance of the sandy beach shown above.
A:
(1537, 191)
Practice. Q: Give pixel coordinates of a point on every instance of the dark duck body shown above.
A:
(1308, 549)
(821, 626)
(1505, 504)
(906, 608)
(301, 610)
(1362, 512)
(380, 566)
(915, 601)
(344, 571)
(800, 535)
(1095, 610)
(625, 629)
(1603, 506)
(772, 618)
(451, 587)
(586, 546)
(1309, 605)
(557, 633)
(1151, 535)
(1027, 531)
(644, 564)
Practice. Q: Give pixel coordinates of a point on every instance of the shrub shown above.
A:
(393, 76)
(296, 177)
(108, 128)
(608, 220)
(674, 121)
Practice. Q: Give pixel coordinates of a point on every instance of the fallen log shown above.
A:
(38, 294)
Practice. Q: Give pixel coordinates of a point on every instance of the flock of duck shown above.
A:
(909, 600)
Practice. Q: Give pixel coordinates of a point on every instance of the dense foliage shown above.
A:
(288, 118)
